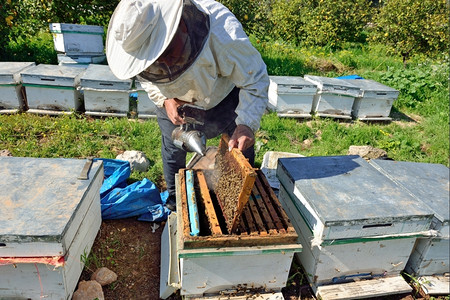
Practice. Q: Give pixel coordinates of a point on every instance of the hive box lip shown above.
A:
(21, 197)
(292, 80)
(59, 75)
(10, 70)
(96, 75)
(334, 86)
(349, 205)
(371, 88)
(75, 28)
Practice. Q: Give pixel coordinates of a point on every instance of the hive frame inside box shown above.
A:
(213, 264)
(54, 282)
(106, 102)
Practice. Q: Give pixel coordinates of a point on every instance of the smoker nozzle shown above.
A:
(189, 140)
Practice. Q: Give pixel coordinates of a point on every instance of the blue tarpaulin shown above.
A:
(119, 200)
(350, 77)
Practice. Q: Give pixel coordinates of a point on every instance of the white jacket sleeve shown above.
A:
(154, 93)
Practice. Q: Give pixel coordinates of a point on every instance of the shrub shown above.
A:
(413, 26)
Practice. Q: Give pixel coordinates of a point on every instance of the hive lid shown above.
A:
(53, 75)
(101, 77)
(292, 85)
(427, 182)
(373, 89)
(347, 190)
(10, 71)
(75, 28)
(40, 198)
(334, 86)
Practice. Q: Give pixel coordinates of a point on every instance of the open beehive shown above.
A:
(241, 209)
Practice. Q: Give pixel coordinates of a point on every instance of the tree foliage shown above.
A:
(413, 26)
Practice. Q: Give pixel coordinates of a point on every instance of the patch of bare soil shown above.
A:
(132, 249)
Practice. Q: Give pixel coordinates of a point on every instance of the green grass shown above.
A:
(419, 131)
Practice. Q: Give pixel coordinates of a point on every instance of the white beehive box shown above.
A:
(429, 183)
(334, 97)
(353, 221)
(104, 93)
(375, 100)
(49, 221)
(146, 108)
(209, 271)
(291, 96)
(75, 39)
(12, 93)
(52, 89)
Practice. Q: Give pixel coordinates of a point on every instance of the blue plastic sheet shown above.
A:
(350, 77)
(119, 200)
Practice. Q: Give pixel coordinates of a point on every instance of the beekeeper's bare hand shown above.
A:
(171, 106)
(242, 138)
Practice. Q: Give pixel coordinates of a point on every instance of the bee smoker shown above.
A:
(186, 137)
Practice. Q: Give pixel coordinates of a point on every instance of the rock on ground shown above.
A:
(104, 276)
(367, 152)
(88, 290)
(137, 159)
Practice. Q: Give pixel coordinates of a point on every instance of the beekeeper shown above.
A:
(196, 52)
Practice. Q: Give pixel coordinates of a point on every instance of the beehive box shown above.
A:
(429, 183)
(334, 97)
(257, 257)
(375, 100)
(291, 96)
(75, 39)
(353, 221)
(48, 223)
(146, 108)
(12, 93)
(53, 89)
(104, 93)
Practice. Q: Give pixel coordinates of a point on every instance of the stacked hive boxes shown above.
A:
(104, 93)
(49, 222)
(78, 44)
(353, 221)
(12, 93)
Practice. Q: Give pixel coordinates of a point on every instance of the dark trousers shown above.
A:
(219, 119)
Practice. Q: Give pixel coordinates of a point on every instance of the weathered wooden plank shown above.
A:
(435, 285)
(209, 207)
(364, 289)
